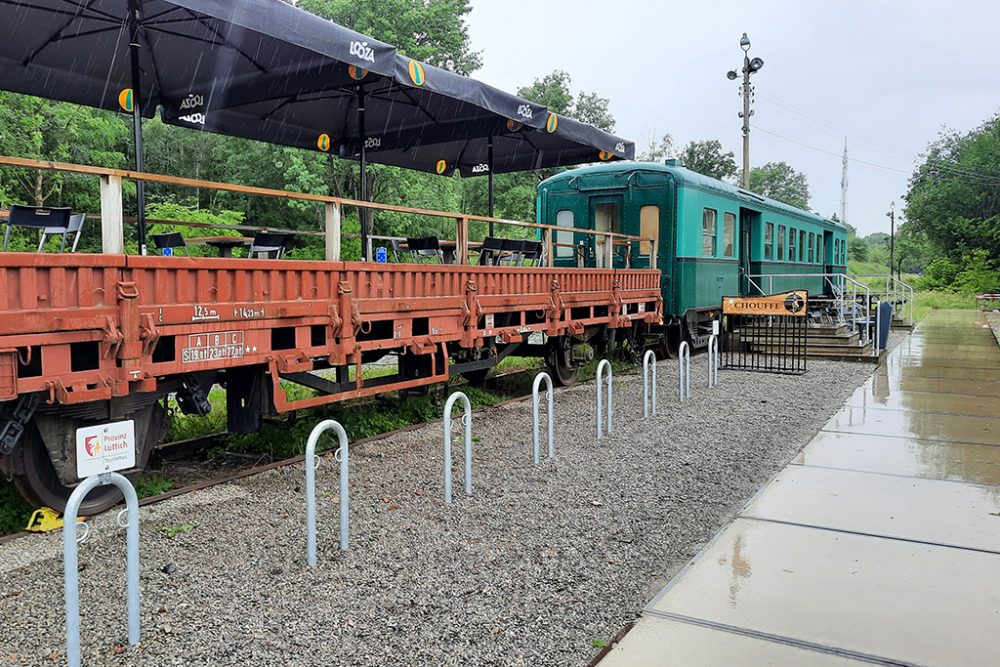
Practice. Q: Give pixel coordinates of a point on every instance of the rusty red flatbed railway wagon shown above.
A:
(86, 339)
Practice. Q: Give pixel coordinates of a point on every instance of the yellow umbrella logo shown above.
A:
(357, 73)
(323, 142)
(514, 126)
(416, 73)
(552, 123)
(441, 166)
(605, 155)
(125, 100)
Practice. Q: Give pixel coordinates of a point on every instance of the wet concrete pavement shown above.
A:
(878, 544)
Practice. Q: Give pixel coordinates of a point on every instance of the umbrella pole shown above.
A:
(489, 178)
(364, 213)
(140, 190)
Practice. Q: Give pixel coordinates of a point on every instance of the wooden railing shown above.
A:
(113, 219)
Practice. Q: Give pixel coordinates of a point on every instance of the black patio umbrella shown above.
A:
(259, 69)
(134, 55)
(507, 146)
(517, 135)
(356, 111)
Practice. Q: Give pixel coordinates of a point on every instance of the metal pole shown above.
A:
(892, 237)
(467, 418)
(535, 400)
(648, 361)
(604, 363)
(71, 563)
(489, 177)
(746, 121)
(140, 189)
(365, 213)
(684, 371)
(343, 455)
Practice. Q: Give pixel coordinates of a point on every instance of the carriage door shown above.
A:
(828, 253)
(747, 220)
(605, 216)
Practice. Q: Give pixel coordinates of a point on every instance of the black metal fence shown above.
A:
(767, 343)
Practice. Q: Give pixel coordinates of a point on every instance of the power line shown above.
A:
(948, 169)
(894, 152)
(823, 150)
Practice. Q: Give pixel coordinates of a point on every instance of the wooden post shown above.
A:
(332, 231)
(112, 223)
(652, 253)
(462, 240)
(609, 249)
(547, 245)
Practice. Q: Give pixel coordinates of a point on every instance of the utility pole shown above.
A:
(892, 237)
(750, 66)
(843, 188)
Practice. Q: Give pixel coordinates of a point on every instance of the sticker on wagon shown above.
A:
(215, 346)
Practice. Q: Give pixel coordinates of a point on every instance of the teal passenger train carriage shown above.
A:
(714, 239)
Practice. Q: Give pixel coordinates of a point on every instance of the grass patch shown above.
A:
(14, 512)
(925, 302)
(153, 484)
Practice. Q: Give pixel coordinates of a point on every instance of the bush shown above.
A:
(974, 275)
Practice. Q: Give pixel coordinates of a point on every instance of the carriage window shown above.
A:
(791, 244)
(781, 243)
(769, 240)
(708, 232)
(564, 240)
(812, 242)
(649, 223)
(802, 246)
(728, 235)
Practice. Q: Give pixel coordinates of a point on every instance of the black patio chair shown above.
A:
(396, 246)
(170, 241)
(512, 251)
(490, 251)
(425, 248)
(265, 243)
(37, 217)
(531, 251)
(75, 227)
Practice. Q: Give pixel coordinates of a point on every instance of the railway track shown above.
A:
(184, 449)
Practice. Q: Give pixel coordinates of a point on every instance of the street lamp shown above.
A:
(892, 236)
(750, 66)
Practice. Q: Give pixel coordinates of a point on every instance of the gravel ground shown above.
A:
(993, 319)
(535, 566)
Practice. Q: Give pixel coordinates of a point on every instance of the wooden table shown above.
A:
(224, 244)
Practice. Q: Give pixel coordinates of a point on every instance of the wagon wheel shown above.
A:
(559, 362)
(671, 342)
(40, 484)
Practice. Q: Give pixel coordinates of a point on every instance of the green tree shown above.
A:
(31, 127)
(954, 195)
(708, 158)
(857, 249)
(658, 148)
(780, 181)
(433, 31)
(554, 90)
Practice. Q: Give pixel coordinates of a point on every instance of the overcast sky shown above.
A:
(888, 74)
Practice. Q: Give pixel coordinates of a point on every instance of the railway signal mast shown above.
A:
(750, 66)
